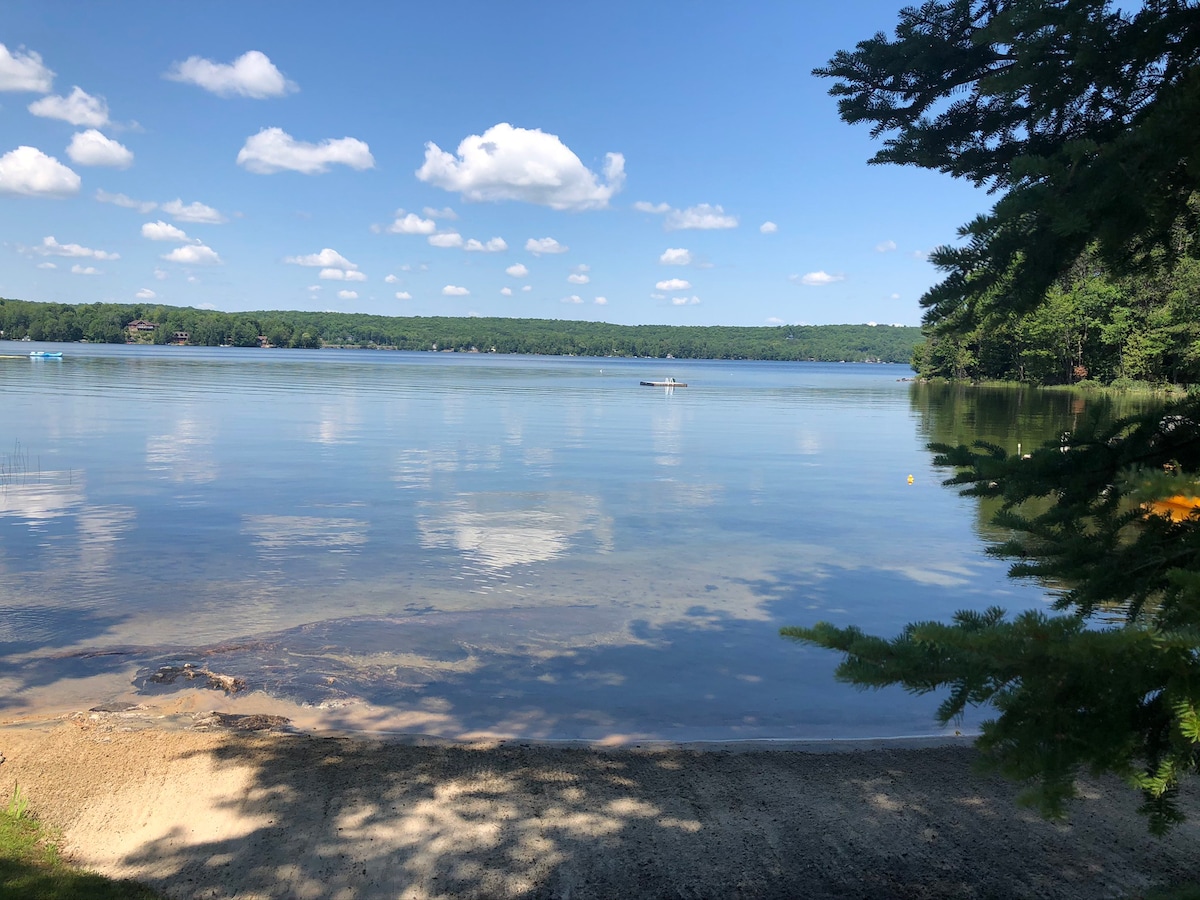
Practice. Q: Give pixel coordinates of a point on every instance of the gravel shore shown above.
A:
(200, 810)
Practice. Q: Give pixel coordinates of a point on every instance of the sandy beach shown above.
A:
(201, 808)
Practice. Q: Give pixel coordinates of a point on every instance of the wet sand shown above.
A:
(200, 810)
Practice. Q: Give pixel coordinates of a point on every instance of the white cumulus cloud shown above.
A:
(685, 301)
(702, 217)
(768, 228)
(326, 259)
(91, 148)
(145, 294)
(29, 171)
(446, 239)
(527, 287)
(506, 291)
(494, 245)
(84, 270)
(47, 265)
(545, 245)
(885, 246)
(577, 278)
(403, 295)
(347, 295)
(601, 301)
(517, 270)
(342, 275)
(390, 279)
(51, 247)
(79, 108)
(411, 224)
(24, 71)
(193, 255)
(192, 212)
(453, 290)
(574, 298)
(676, 256)
(274, 150)
(673, 284)
(443, 213)
(142, 206)
(250, 75)
(164, 231)
(775, 320)
(816, 279)
(507, 163)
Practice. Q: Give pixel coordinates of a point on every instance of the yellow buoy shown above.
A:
(910, 479)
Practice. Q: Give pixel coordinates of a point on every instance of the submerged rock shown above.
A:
(167, 675)
(252, 722)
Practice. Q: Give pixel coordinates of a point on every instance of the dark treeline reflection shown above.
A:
(1015, 418)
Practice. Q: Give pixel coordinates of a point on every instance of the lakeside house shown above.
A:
(140, 326)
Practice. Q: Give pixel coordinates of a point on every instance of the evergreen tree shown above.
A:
(1111, 684)
(1083, 118)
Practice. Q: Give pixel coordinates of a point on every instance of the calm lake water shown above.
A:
(466, 545)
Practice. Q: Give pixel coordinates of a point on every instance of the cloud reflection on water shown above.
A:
(42, 496)
(337, 423)
(101, 530)
(502, 530)
(277, 536)
(518, 556)
(184, 453)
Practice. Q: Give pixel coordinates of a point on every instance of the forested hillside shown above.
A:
(1141, 327)
(108, 323)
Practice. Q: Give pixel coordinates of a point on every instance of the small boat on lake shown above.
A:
(45, 354)
(670, 382)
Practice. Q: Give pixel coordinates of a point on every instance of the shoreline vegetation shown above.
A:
(1091, 325)
(32, 864)
(120, 323)
(1086, 387)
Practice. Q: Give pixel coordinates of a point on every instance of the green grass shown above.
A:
(31, 867)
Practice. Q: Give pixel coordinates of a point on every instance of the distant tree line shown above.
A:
(106, 323)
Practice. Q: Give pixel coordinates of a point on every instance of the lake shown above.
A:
(479, 545)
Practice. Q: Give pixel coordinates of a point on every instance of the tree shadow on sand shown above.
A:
(337, 817)
(285, 816)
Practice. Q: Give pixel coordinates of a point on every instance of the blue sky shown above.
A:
(634, 163)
